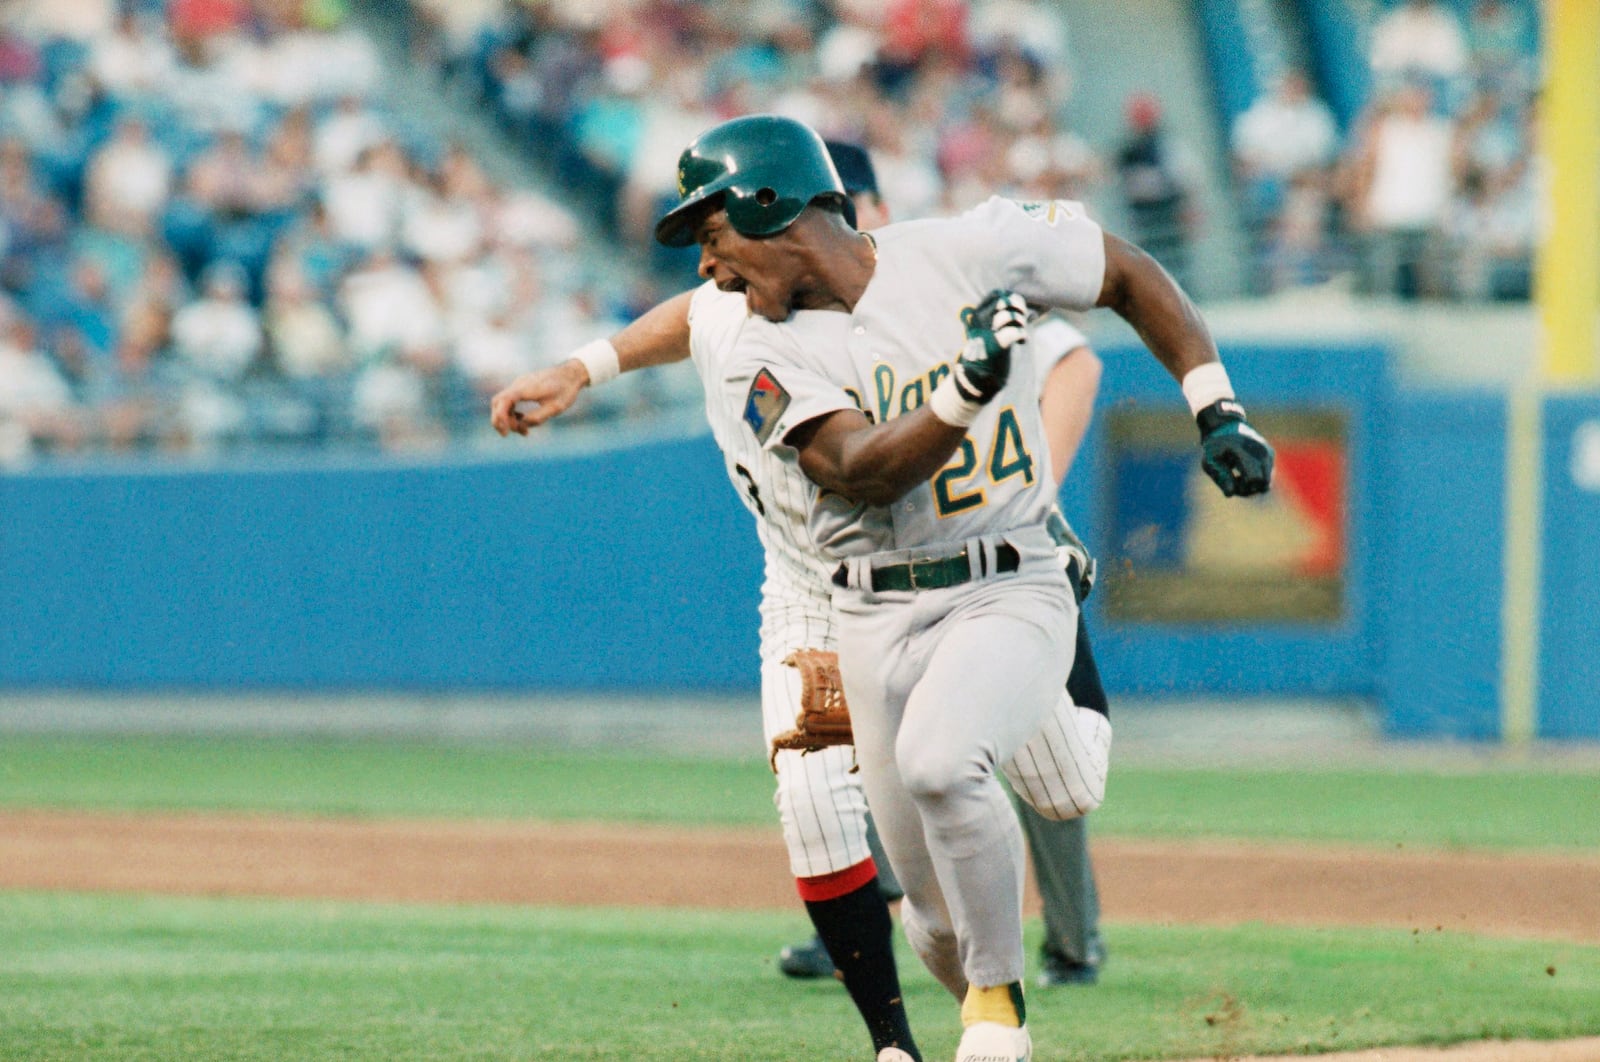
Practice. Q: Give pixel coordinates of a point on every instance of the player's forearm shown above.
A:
(660, 336)
(1066, 405)
(875, 464)
(1144, 295)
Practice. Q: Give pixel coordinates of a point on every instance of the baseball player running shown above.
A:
(1069, 378)
(883, 371)
(819, 800)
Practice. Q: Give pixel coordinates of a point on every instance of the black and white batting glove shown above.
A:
(994, 326)
(1236, 456)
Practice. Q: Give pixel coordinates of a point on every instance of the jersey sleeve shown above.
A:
(1052, 338)
(774, 392)
(1048, 251)
(715, 318)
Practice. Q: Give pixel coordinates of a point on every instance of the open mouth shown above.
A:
(733, 284)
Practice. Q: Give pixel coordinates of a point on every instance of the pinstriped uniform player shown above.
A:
(884, 372)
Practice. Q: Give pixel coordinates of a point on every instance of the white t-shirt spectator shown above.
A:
(219, 335)
(1279, 137)
(33, 385)
(1411, 177)
(440, 229)
(492, 355)
(1419, 38)
(389, 306)
(345, 134)
(132, 60)
(363, 207)
(128, 184)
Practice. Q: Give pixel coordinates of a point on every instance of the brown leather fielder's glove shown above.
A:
(824, 719)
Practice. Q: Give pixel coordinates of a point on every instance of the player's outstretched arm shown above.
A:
(658, 337)
(1146, 296)
(1236, 457)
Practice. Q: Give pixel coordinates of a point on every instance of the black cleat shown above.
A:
(806, 961)
(1059, 970)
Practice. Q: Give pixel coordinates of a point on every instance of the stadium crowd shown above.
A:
(213, 233)
(1433, 191)
(1430, 191)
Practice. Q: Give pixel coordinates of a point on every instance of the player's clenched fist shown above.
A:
(548, 393)
(1236, 456)
(993, 327)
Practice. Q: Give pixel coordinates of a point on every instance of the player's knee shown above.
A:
(938, 776)
(1067, 806)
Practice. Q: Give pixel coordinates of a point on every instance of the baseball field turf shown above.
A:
(102, 973)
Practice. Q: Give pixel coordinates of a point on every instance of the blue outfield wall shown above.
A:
(1442, 565)
(634, 569)
(1569, 630)
(637, 569)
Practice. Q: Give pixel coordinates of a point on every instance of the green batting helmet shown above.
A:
(762, 168)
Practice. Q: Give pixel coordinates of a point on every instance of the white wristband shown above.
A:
(949, 406)
(1205, 384)
(600, 359)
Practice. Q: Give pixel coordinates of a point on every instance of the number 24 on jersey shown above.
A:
(959, 487)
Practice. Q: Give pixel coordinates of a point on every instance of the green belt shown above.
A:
(934, 573)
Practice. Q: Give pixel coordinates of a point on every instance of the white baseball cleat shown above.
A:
(989, 1041)
(894, 1054)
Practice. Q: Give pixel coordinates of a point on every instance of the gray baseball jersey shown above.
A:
(887, 356)
(974, 670)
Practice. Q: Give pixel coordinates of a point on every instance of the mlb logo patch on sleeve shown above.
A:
(765, 404)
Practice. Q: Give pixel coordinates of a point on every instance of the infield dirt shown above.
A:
(1525, 895)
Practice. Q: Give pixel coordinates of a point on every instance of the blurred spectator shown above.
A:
(1156, 176)
(391, 399)
(673, 115)
(34, 222)
(364, 205)
(1284, 133)
(1401, 188)
(388, 306)
(128, 181)
(344, 135)
(36, 402)
(74, 20)
(220, 335)
(1501, 39)
(491, 353)
(302, 333)
(1283, 148)
(1418, 37)
(135, 60)
(1049, 162)
(224, 179)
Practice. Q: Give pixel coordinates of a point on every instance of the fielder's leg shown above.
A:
(1073, 947)
(1061, 771)
(824, 823)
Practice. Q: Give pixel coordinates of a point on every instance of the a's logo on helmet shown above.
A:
(683, 183)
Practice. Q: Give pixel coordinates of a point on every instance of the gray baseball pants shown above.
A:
(945, 686)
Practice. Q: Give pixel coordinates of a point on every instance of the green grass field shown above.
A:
(125, 978)
(1500, 808)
